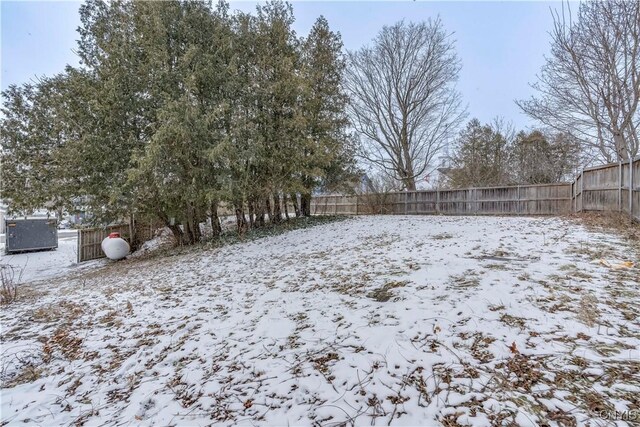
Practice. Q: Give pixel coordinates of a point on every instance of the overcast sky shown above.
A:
(501, 44)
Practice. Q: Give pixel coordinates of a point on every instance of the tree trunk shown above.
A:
(410, 183)
(196, 216)
(133, 234)
(178, 234)
(277, 212)
(241, 220)
(216, 227)
(259, 214)
(192, 232)
(252, 212)
(196, 220)
(621, 146)
(268, 208)
(305, 204)
(284, 205)
(296, 207)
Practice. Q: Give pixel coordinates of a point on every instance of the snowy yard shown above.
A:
(371, 320)
(31, 266)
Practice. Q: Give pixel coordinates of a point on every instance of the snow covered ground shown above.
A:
(45, 264)
(372, 320)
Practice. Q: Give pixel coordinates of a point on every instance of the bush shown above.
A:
(8, 283)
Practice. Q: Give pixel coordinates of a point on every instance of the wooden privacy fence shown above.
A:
(545, 199)
(611, 187)
(90, 239)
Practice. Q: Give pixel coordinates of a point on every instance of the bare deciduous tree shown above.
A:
(403, 101)
(590, 85)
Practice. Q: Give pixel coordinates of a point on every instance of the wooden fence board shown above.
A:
(600, 188)
(608, 188)
(90, 239)
(510, 200)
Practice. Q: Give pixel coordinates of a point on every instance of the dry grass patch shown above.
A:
(513, 321)
(383, 293)
(442, 236)
(617, 222)
(62, 312)
(468, 280)
(588, 312)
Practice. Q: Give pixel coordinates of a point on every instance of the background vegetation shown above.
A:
(179, 107)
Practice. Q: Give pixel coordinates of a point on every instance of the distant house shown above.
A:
(77, 217)
(366, 185)
(445, 167)
(442, 173)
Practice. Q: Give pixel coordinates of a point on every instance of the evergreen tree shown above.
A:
(33, 176)
(541, 157)
(121, 110)
(327, 151)
(186, 46)
(177, 107)
(481, 156)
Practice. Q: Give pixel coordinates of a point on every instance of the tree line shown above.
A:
(177, 107)
(494, 154)
(405, 107)
(587, 99)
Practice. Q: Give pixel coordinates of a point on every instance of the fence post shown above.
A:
(630, 187)
(132, 232)
(474, 191)
(406, 200)
(356, 204)
(438, 201)
(620, 186)
(518, 202)
(79, 245)
(335, 206)
(582, 190)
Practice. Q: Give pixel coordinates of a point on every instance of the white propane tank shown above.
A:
(115, 247)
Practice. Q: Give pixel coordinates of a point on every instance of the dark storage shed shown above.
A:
(24, 235)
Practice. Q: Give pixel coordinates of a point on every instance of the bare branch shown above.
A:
(590, 85)
(403, 101)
